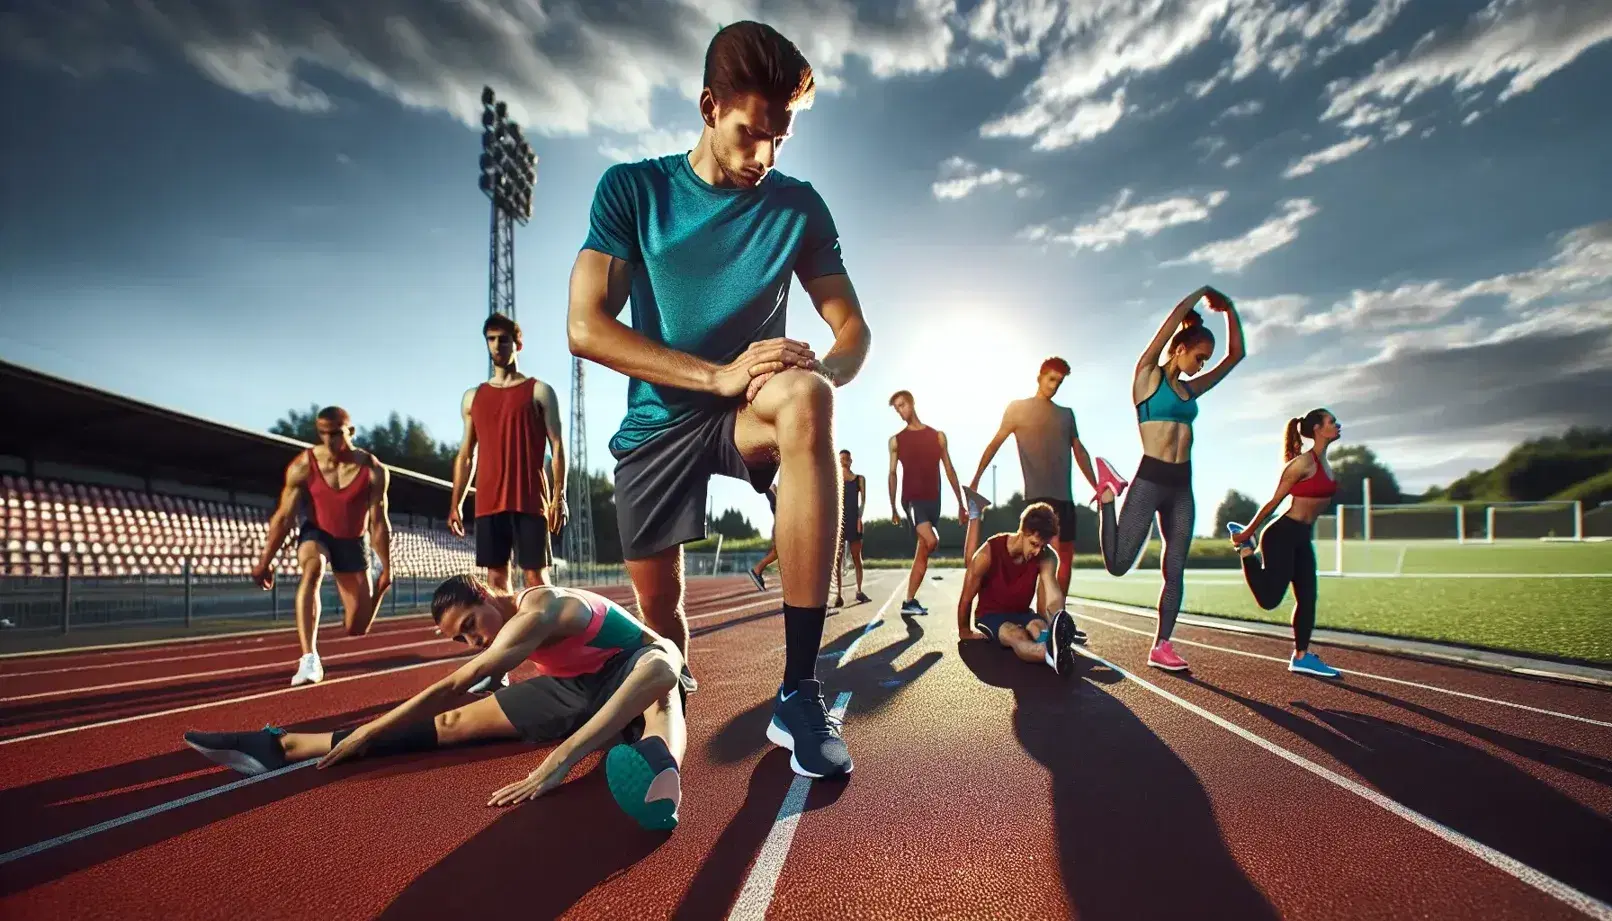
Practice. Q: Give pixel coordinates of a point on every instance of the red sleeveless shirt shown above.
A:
(918, 450)
(510, 436)
(341, 513)
(1009, 585)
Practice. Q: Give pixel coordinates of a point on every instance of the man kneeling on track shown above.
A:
(1003, 575)
(603, 675)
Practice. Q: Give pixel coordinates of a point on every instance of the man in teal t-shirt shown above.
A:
(704, 246)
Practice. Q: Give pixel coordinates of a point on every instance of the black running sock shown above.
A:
(415, 737)
(803, 638)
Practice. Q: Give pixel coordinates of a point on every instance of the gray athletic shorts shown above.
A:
(661, 484)
(922, 510)
(546, 709)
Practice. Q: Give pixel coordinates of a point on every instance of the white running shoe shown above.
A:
(309, 670)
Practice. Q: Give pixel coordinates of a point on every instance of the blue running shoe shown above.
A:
(1234, 529)
(644, 780)
(801, 723)
(1311, 664)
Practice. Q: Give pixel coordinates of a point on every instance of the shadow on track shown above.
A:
(1452, 782)
(722, 873)
(1133, 821)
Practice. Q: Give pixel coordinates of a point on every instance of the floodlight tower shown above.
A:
(579, 549)
(508, 173)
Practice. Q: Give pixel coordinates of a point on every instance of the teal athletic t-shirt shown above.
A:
(711, 269)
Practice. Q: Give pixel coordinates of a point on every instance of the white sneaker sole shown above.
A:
(1168, 668)
(783, 739)
(1301, 670)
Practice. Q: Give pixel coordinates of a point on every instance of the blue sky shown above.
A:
(260, 205)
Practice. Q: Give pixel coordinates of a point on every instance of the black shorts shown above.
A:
(921, 511)
(346, 554)
(502, 532)
(991, 624)
(1066, 517)
(661, 484)
(547, 709)
(851, 532)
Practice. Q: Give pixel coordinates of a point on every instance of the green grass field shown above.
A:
(1448, 593)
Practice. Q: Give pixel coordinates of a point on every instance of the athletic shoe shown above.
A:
(801, 723)
(1077, 635)
(685, 678)
(1234, 529)
(1060, 643)
(1311, 664)
(644, 780)
(490, 684)
(759, 579)
(839, 601)
(309, 670)
(251, 753)
(977, 504)
(911, 607)
(1163, 656)
(1109, 478)
(862, 599)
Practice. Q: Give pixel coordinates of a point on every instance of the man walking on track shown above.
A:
(1006, 575)
(704, 244)
(920, 451)
(1047, 437)
(602, 678)
(343, 490)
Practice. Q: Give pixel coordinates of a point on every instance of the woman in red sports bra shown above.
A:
(1286, 553)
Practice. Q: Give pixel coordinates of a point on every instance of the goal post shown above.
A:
(1549, 520)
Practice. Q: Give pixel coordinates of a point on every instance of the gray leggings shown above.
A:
(1164, 490)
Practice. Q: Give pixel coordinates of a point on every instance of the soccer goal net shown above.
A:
(1534, 521)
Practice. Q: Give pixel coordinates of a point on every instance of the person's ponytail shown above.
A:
(1291, 445)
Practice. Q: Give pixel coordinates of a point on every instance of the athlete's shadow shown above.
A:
(721, 875)
(1133, 821)
(872, 678)
(1452, 782)
(519, 866)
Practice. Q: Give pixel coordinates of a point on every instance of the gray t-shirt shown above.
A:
(1044, 431)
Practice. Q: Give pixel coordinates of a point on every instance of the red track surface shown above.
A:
(984, 788)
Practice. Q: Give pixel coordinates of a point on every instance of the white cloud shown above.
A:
(1369, 26)
(960, 177)
(1520, 42)
(1308, 163)
(1244, 109)
(649, 144)
(1114, 224)
(1233, 160)
(1235, 254)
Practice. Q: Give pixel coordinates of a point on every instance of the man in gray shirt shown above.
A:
(1047, 437)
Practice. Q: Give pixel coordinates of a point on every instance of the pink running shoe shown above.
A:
(1109, 478)
(1163, 656)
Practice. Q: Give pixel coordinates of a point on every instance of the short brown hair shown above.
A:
(899, 394)
(1038, 518)
(750, 57)
(335, 415)
(504, 324)
(1054, 364)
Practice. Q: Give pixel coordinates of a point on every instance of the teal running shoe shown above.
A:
(644, 780)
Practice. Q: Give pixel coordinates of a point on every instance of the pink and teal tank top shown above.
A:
(610, 630)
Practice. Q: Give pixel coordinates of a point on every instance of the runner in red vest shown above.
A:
(603, 677)
(920, 451)
(1004, 576)
(507, 421)
(342, 491)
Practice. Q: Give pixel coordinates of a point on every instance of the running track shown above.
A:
(984, 788)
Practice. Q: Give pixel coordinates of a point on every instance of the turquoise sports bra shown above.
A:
(1165, 405)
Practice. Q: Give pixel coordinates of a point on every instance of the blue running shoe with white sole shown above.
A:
(644, 780)
(1311, 664)
(1234, 529)
(801, 723)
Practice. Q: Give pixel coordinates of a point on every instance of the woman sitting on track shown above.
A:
(1166, 404)
(1286, 549)
(603, 675)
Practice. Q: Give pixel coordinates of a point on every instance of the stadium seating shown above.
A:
(104, 531)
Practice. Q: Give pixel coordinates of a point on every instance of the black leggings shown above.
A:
(1289, 558)
(1162, 490)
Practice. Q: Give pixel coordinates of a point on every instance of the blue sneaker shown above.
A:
(1234, 529)
(645, 783)
(801, 723)
(1311, 664)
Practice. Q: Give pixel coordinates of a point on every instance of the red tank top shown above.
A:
(341, 513)
(918, 450)
(1319, 485)
(1009, 586)
(510, 436)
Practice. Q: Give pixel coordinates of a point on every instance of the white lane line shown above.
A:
(238, 670)
(245, 650)
(232, 637)
(770, 598)
(1512, 867)
(756, 896)
(449, 660)
(146, 813)
(1374, 677)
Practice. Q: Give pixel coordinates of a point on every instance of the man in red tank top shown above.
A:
(920, 451)
(1004, 576)
(508, 420)
(342, 492)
